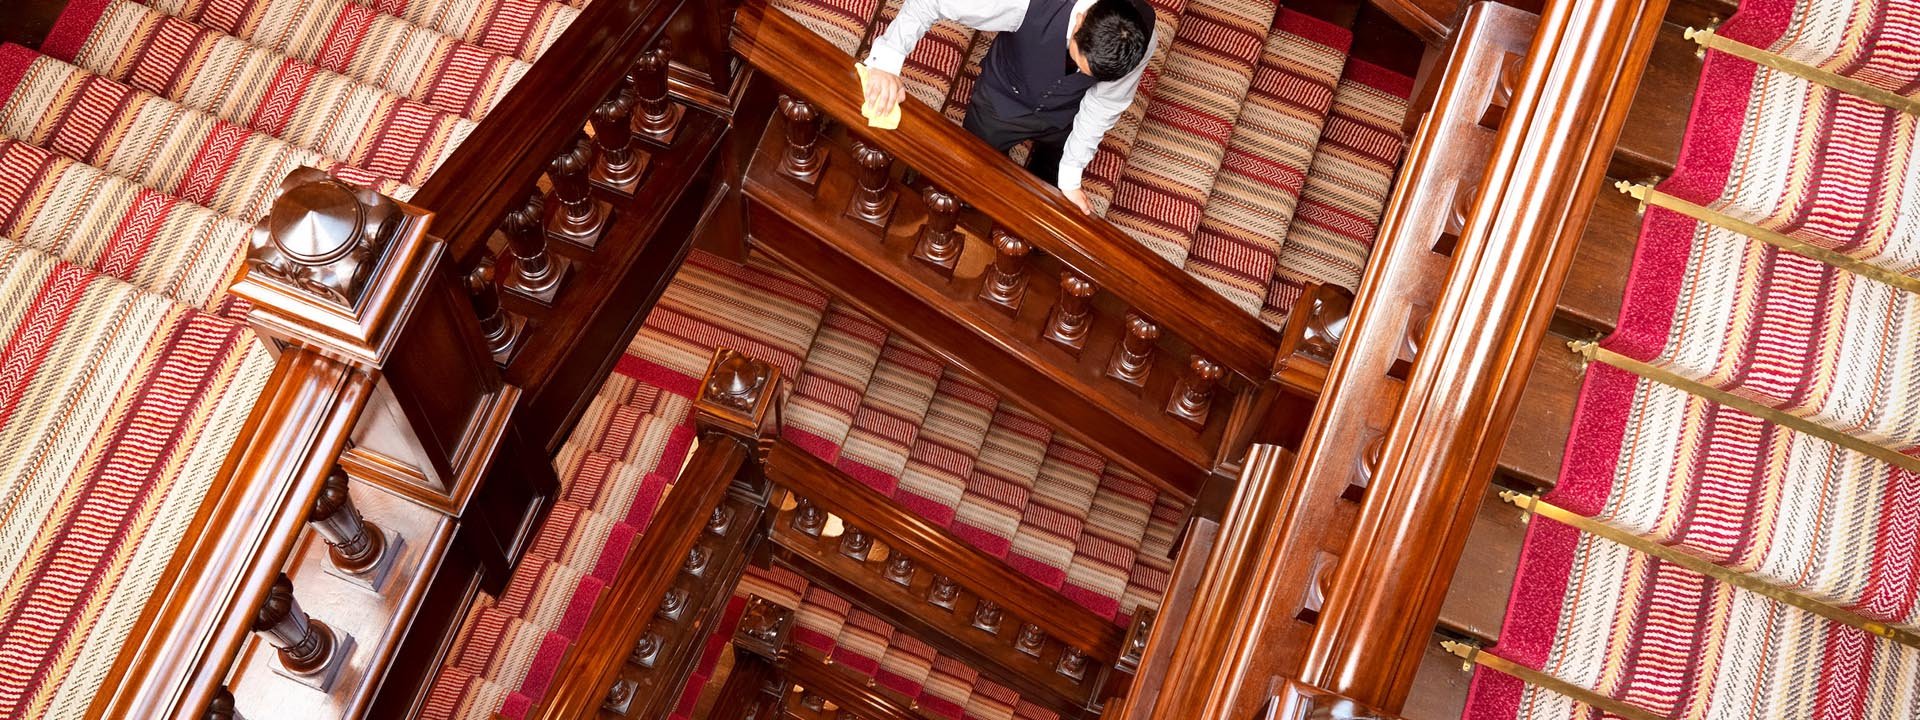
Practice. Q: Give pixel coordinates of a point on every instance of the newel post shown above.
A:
(738, 400)
(354, 276)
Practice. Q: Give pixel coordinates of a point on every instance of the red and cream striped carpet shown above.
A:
(1756, 408)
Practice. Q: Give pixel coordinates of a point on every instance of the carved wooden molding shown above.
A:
(737, 397)
(764, 629)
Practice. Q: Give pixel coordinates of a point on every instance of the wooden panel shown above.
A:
(1477, 598)
(1590, 300)
(1650, 142)
(1539, 437)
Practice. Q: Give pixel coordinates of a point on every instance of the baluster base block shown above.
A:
(628, 182)
(923, 251)
(375, 576)
(1072, 344)
(549, 290)
(321, 678)
(1180, 411)
(514, 339)
(876, 217)
(1117, 369)
(1005, 298)
(659, 133)
(585, 236)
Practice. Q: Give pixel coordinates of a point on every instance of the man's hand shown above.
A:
(884, 91)
(1079, 198)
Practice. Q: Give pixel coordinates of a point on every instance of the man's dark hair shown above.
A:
(1113, 38)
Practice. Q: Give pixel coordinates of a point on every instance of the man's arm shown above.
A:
(1099, 109)
(916, 16)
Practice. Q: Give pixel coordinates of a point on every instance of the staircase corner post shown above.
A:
(738, 401)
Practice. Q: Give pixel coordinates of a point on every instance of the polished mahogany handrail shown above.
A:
(650, 567)
(202, 612)
(1024, 205)
(939, 550)
(490, 173)
(1513, 254)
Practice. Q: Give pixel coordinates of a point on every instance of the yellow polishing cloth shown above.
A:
(888, 120)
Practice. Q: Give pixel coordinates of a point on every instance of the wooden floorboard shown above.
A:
(1477, 599)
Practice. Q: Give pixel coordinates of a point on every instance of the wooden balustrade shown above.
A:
(308, 649)
(582, 218)
(801, 683)
(537, 274)
(734, 411)
(873, 196)
(939, 245)
(357, 547)
(502, 330)
(617, 164)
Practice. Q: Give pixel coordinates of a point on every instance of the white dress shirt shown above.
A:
(1099, 108)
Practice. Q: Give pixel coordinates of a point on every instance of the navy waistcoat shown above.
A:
(1026, 71)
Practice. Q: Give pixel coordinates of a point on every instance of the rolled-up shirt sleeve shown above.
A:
(916, 16)
(1100, 108)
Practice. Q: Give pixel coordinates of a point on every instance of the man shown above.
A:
(1059, 73)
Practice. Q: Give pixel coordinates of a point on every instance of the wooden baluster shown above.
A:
(940, 242)
(1072, 313)
(900, 569)
(699, 560)
(987, 616)
(808, 518)
(617, 165)
(503, 330)
(1005, 283)
(222, 706)
(1326, 321)
(673, 605)
(856, 544)
(1031, 640)
(721, 520)
(1133, 358)
(537, 273)
(309, 651)
(581, 218)
(943, 592)
(646, 651)
(1193, 395)
(658, 118)
(1072, 665)
(805, 157)
(357, 548)
(620, 696)
(1135, 648)
(873, 196)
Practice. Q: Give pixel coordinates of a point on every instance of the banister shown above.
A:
(490, 173)
(1513, 255)
(201, 613)
(1024, 205)
(811, 478)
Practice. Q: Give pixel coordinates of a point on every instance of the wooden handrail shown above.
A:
(608, 637)
(202, 612)
(1513, 255)
(1024, 205)
(490, 173)
(809, 477)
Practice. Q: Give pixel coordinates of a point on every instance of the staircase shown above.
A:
(1704, 505)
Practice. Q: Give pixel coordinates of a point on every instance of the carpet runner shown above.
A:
(1801, 497)
(138, 146)
(877, 407)
(1222, 147)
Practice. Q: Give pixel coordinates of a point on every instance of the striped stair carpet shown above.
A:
(138, 147)
(1223, 146)
(828, 626)
(879, 408)
(1740, 496)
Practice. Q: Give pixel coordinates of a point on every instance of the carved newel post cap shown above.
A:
(322, 235)
(764, 628)
(737, 395)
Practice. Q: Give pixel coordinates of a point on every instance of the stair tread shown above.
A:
(387, 52)
(1538, 438)
(947, 448)
(1188, 123)
(1591, 295)
(519, 28)
(1477, 598)
(827, 392)
(1055, 512)
(1010, 456)
(1238, 243)
(890, 415)
(1346, 188)
(341, 119)
(41, 110)
(1650, 140)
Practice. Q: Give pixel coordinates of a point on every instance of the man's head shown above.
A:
(1111, 40)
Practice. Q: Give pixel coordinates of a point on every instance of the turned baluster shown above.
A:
(721, 520)
(808, 518)
(856, 544)
(620, 696)
(1072, 665)
(1133, 359)
(617, 166)
(805, 157)
(1193, 396)
(658, 117)
(987, 616)
(537, 273)
(222, 706)
(899, 570)
(1031, 640)
(699, 558)
(873, 196)
(502, 330)
(356, 547)
(647, 650)
(1072, 312)
(308, 649)
(940, 243)
(1006, 280)
(943, 593)
(581, 218)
